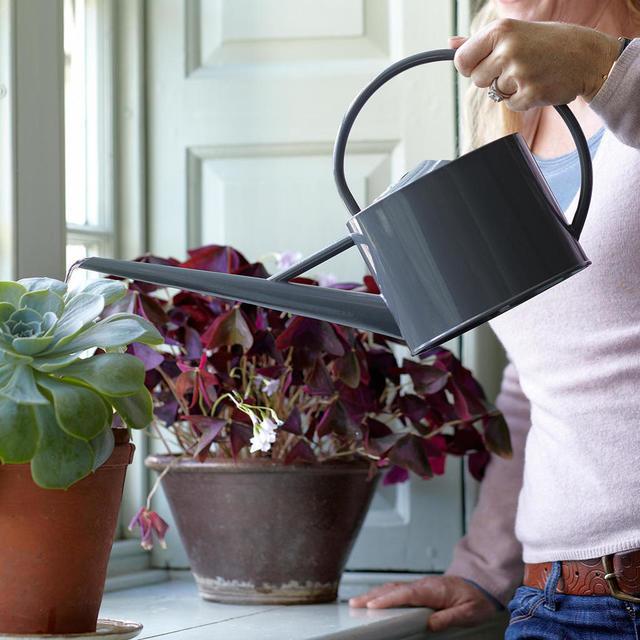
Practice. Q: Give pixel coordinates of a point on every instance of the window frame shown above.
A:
(32, 153)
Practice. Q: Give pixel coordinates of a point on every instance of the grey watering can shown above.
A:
(449, 249)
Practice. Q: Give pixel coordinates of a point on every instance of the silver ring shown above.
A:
(495, 94)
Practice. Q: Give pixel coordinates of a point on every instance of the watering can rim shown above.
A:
(448, 167)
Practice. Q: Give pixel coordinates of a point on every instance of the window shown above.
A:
(89, 131)
(90, 185)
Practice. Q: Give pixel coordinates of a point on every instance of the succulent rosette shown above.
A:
(58, 393)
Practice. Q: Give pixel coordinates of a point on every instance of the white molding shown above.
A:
(197, 155)
(7, 84)
(279, 53)
(37, 100)
(130, 124)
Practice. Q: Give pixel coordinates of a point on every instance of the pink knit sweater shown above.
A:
(571, 393)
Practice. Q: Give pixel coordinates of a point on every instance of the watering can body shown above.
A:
(458, 246)
(450, 249)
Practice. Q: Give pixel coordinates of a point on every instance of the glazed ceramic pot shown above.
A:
(260, 532)
(56, 545)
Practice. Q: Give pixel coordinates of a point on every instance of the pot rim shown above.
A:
(254, 465)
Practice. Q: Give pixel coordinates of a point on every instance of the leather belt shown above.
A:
(616, 574)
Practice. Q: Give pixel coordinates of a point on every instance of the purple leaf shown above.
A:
(192, 344)
(228, 329)
(209, 429)
(358, 402)
(168, 412)
(426, 379)
(333, 420)
(301, 452)
(318, 381)
(459, 402)
(496, 435)
(240, 436)
(409, 453)
(150, 357)
(347, 369)
(395, 475)
(413, 407)
(478, 462)
(381, 446)
(464, 440)
(310, 334)
(293, 424)
(215, 257)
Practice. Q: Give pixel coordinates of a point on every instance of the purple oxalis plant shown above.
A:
(338, 393)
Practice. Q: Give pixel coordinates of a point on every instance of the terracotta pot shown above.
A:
(262, 532)
(55, 546)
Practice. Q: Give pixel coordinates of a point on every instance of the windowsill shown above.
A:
(174, 609)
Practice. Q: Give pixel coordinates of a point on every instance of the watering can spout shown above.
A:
(365, 311)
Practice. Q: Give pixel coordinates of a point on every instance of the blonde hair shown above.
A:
(485, 120)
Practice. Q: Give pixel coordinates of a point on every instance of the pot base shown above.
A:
(106, 629)
(244, 592)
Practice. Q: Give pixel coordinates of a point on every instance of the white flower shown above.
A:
(268, 385)
(264, 435)
(327, 279)
(287, 259)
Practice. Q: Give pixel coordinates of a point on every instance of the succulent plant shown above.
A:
(57, 396)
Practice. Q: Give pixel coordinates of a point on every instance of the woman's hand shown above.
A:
(458, 603)
(540, 63)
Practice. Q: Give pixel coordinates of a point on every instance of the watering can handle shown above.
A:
(435, 56)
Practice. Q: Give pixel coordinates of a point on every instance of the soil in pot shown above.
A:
(261, 532)
(55, 546)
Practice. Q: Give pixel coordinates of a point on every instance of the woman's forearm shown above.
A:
(618, 100)
(489, 554)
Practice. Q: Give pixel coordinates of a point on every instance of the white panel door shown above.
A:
(244, 100)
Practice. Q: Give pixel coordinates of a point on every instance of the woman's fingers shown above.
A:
(457, 41)
(542, 63)
(485, 73)
(472, 52)
(460, 616)
(365, 598)
(402, 595)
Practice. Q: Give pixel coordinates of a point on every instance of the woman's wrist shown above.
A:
(602, 52)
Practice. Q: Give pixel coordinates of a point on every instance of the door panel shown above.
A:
(244, 101)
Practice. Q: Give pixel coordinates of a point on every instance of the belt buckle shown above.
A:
(612, 581)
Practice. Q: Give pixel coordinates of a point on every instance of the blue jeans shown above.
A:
(548, 615)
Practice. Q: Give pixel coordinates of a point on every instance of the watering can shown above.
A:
(449, 249)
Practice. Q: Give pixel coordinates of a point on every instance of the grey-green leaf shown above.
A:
(19, 433)
(81, 412)
(31, 346)
(21, 387)
(43, 301)
(114, 331)
(11, 292)
(110, 290)
(112, 374)
(6, 309)
(48, 321)
(47, 364)
(80, 310)
(60, 459)
(102, 446)
(136, 410)
(49, 284)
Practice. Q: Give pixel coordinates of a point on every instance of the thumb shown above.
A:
(457, 41)
(459, 615)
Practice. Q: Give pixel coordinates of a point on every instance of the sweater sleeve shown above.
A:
(618, 101)
(490, 555)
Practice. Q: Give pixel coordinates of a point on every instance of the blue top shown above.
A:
(563, 173)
